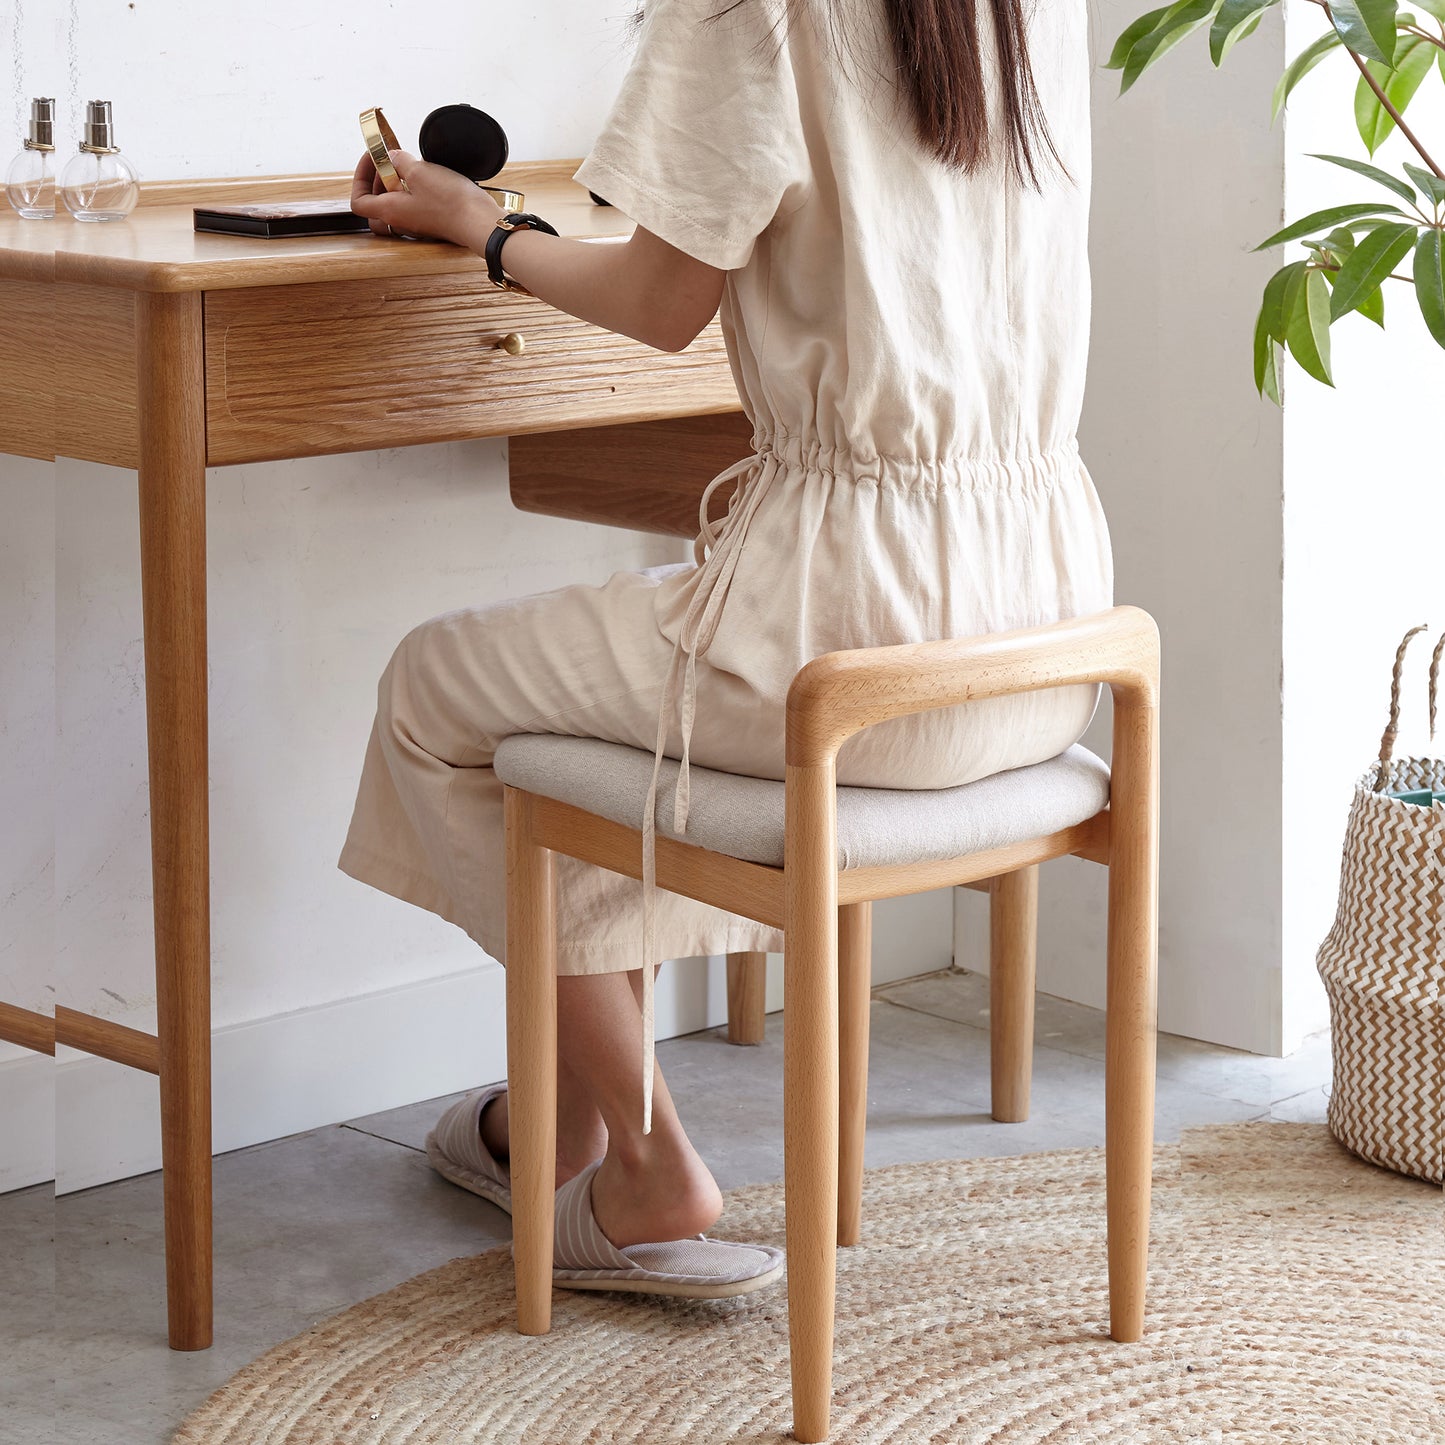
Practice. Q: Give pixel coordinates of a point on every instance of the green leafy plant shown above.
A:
(1352, 249)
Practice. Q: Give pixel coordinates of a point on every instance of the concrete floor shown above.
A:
(310, 1224)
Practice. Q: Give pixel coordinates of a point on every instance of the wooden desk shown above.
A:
(145, 345)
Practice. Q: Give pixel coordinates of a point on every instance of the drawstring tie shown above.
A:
(699, 626)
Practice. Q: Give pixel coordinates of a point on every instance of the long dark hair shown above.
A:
(936, 49)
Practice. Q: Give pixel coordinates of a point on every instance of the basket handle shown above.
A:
(1435, 680)
(1387, 743)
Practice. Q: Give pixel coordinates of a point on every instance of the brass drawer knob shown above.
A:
(513, 343)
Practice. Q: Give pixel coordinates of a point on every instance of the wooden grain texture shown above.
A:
(1013, 954)
(67, 372)
(27, 368)
(94, 341)
(747, 997)
(855, 997)
(900, 879)
(1131, 1009)
(317, 185)
(172, 494)
(647, 476)
(107, 1039)
(157, 247)
(531, 1058)
(352, 365)
(751, 889)
(27, 1029)
(840, 693)
(810, 1087)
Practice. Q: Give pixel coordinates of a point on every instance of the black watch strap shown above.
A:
(511, 221)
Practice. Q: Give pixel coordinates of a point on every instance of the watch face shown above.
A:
(464, 139)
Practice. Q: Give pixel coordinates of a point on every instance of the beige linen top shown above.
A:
(875, 301)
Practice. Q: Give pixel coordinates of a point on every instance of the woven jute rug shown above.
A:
(1295, 1294)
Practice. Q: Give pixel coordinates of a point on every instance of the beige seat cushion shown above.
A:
(743, 817)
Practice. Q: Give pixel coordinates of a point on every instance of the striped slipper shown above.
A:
(455, 1149)
(698, 1268)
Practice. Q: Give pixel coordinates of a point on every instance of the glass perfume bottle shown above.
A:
(99, 184)
(30, 182)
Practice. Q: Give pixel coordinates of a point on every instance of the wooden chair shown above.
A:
(558, 800)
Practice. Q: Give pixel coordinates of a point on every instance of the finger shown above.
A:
(379, 204)
(406, 165)
(364, 177)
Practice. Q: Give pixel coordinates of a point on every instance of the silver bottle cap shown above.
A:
(99, 130)
(42, 124)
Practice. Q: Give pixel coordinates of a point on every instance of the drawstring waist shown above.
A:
(699, 626)
(717, 551)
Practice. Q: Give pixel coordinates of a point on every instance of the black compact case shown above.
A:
(464, 139)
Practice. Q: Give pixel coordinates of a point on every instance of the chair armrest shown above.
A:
(840, 693)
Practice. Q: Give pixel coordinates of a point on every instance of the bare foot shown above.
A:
(667, 1193)
(576, 1148)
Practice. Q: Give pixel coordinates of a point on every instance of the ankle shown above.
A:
(659, 1198)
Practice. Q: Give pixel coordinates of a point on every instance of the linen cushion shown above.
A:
(743, 816)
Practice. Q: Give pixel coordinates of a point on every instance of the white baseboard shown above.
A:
(356, 1056)
(318, 1066)
(27, 1121)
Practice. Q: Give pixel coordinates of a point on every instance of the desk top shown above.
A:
(157, 248)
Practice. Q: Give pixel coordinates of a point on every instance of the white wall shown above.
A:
(1284, 558)
(1187, 463)
(316, 569)
(1364, 527)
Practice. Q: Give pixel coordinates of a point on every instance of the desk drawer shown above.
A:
(352, 365)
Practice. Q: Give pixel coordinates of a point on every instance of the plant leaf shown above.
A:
(1368, 265)
(1269, 331)
(1133, 34)
(1301, 66)
(1367, 27)
(1318, 220)
(1179, 20)
(1308, 330)
(1400, 84)
(1433, 7)
(1430, 282)
(1235, 20)
(1429, 184)
(1373, 307)
(1374, 173)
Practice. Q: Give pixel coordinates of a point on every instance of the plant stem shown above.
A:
(1389, 275)
(1385, 100)
(1424, 35)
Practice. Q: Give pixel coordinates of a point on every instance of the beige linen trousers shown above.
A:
(909, 344)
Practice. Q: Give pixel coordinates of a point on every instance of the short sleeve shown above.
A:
(704, 143)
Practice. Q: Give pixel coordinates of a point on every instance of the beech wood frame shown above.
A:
(825, 914)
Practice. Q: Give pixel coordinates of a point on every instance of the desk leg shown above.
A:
(172, 490)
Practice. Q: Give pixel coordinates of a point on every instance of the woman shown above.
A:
(889, 200)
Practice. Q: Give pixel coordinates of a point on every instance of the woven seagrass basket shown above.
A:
(1383, 962)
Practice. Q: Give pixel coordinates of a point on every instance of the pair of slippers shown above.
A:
(583, 1257)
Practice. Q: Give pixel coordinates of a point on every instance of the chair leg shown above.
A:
(855, 979)
(1013, 945)
(1131, 1011)
(531, 1061)
(810, 1091)
(747, 997)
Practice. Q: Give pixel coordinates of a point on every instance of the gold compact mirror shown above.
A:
(459, 137)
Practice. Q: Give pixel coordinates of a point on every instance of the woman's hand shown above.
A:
(434, 202)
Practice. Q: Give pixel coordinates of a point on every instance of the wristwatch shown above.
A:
(511, 221)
